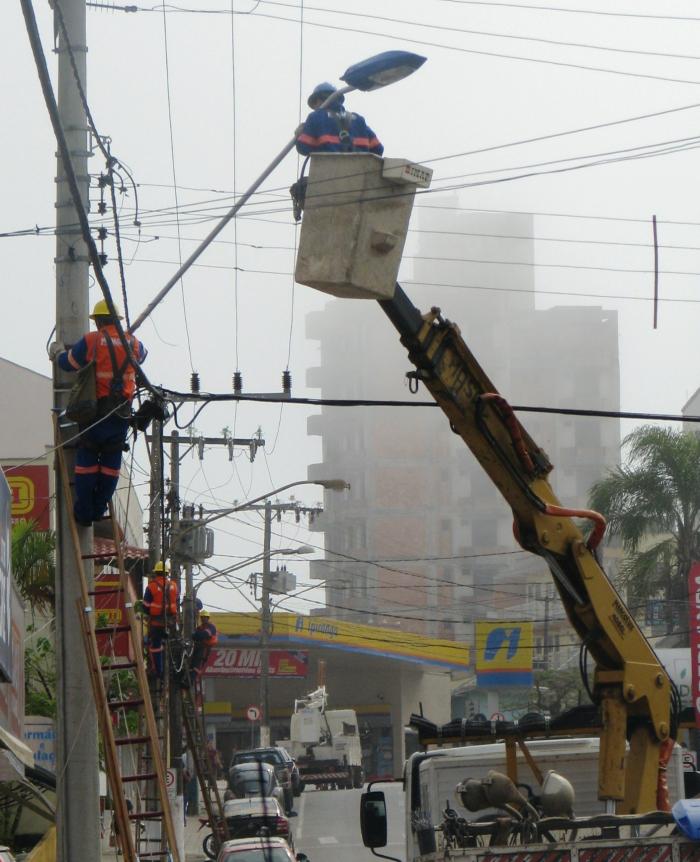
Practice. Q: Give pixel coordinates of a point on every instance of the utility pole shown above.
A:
(265, 631)
(77, 809)
(176, 750)
(266, 613)
(155, 492)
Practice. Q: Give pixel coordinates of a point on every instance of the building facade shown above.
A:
(423, 541)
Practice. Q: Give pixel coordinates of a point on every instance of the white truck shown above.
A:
(325, 743)
(533, 820)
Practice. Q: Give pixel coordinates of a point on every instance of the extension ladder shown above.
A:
(102, 669)
(204, 769)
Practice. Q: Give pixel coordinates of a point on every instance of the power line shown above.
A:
(422, 42)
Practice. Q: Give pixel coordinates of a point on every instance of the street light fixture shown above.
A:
(371, 74)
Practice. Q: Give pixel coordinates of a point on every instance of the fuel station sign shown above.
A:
(29, 486)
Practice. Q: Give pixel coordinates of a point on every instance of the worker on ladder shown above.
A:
(333, 129)
(204, 638)
(160, 601)
(100, 445)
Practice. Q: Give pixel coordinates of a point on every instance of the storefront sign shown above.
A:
(503, 653)
(40, 736)
(694, 621)
(30, 493)
(247, 662)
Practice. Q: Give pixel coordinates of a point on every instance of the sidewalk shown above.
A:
(193, 843)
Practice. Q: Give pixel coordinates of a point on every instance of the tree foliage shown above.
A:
(39, 676)
(652, 504)
(33, 564)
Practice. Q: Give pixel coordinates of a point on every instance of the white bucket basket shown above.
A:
(356, 215)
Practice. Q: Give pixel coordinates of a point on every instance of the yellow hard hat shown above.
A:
(160, 566)
(204, 613)
(101, 309)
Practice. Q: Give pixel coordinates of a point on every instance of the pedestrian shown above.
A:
(100, 445)
(333, 129)
(204, 638)
(160, 601)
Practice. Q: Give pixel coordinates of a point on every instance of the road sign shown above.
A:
(252, 713)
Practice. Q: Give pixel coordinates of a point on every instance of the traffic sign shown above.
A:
(252, 713)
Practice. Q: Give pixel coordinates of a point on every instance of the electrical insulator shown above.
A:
(194, 383)
(237, 382)
(287, 382)
(103, 258)
(101, 207)
(102, 233)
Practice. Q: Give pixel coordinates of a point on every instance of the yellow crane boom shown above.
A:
(630, 686)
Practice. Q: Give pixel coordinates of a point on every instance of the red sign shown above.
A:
(110, 611)
(694, 620)
(245, 663)
(30, 493)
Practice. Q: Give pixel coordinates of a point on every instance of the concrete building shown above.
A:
(423, 541)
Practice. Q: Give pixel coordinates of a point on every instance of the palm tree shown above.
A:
(33, 564)
(653, 505)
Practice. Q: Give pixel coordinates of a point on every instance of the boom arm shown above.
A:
(630, 686)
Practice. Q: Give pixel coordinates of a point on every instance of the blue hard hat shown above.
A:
(323, 91)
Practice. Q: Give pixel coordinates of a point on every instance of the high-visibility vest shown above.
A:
(104, 370)
(158, 587)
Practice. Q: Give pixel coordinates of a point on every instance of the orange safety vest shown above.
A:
(158, 587)
(104, 372)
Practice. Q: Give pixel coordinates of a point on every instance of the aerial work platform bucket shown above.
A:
(356, 216)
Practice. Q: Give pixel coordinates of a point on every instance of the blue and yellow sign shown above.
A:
(503, 653)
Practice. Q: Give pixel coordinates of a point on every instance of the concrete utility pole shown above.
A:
(265, 631)
(78, 815)
(175, 690)
(266, 613)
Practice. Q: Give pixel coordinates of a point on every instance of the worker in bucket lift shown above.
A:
(160, 601)
(204, 638)
(99, 454)
(333, 129)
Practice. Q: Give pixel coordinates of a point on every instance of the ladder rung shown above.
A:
(143, 776)
(97, 556)
(109, 630)
(146, 815)
(154, 855)
(123, 665)
(120, 704)
(132, 740)
(105, 591)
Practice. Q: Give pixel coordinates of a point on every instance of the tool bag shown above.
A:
(82, 401)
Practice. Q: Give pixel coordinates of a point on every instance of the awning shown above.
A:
(105, 549)
(19, 749)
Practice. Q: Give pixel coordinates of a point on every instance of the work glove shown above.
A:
(139, 607)
(54, 349)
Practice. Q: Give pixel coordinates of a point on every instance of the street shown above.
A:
(327, 826)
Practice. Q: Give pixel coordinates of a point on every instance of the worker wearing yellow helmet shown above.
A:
(103, 434)
(160, 600)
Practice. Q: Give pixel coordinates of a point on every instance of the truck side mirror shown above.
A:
(373, 819)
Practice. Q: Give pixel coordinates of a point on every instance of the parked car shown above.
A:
(253, 817)
(297, 783)
(255, 779)
(258, 850)
(277, 760)
(246, 817)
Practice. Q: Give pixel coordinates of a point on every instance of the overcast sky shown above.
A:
(497, 75)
